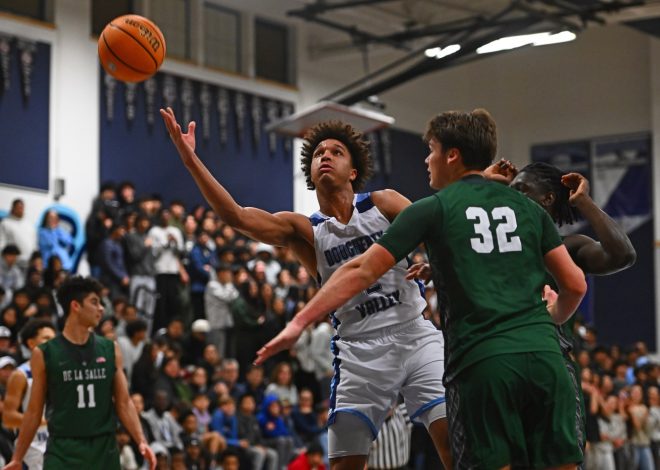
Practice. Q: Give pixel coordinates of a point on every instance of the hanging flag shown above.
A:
(223, 115)
(150, 90)
(27, 50)
(130, 94)
(287, 110)
(5, 61)
(240, 110)
(205, 102)
(110, 86)
(373, 148)
(257, 118)
(386, 149)
(169, 91)
(272, 110)
(187, 101)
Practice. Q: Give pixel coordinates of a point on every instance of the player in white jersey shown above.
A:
(383, 346)
(19, 386)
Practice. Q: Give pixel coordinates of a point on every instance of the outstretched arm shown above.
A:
(570, 282)
(274, 229)
(126, 410)
(614, 252)
(32, 417)
(353, 277)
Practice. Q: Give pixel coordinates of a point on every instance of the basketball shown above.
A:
(131, 48)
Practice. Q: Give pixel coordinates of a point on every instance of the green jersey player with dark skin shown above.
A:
(80, 377)
(564, 196)
(509, 400)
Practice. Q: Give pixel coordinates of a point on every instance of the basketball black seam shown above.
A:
(120, 60)
(137, 41)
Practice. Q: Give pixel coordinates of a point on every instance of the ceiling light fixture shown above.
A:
(439, 53)
(537, 39)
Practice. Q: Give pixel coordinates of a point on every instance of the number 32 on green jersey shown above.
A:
(504, 230)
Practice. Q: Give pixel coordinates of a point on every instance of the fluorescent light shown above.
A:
(537, 39)
(439, 53)
(564, 36)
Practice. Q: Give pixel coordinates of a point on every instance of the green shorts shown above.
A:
(516, 409)
(99, 452)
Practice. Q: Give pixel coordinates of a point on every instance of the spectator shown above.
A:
(202, 262)
(194, 344)
(229, 460)
(218, 297)
(311, 459)
(16, 230)
(638, 414)
(170, 382)
(249, 430)
(248, 314)
(212, 363)
(274, 430)
(141, 267)
(138, 402)
(654, 423)
(114, 274)
(167, 247)
(165, 428)
(306, 421)
(200, 408)
(11, 276)
(229, 374)
(194, 457)
(254, 383)
(55, 240)
(127, 459)
(211, 441)
(281, 384)
(145, 370)
(132, 345)
(266, 254)
(612, 430)
(126, 198)
(199, 383)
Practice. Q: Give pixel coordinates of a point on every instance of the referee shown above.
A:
(391, 449)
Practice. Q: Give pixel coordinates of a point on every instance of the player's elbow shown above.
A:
(628, 257)
(578, 285)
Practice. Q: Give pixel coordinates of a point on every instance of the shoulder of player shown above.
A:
(389, 202)
(300, 223)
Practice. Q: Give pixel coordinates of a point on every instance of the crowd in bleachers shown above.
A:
(189, 301)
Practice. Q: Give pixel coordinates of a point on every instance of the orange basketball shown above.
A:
(131, 48)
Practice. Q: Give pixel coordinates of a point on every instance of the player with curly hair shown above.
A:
(383, 345)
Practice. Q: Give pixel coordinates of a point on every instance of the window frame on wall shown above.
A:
(99, 20)
(238, 66)
(187, 29)
(287, 49)
(44, 9)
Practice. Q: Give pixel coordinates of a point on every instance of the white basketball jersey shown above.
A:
(392, 299)
(41, 437)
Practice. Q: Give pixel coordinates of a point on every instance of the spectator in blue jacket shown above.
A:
(274, 429)
(55, 240)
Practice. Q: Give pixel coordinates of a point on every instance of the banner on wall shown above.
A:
(567, 156)
(621, 179)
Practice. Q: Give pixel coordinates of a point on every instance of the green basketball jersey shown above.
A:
(486, 244)
(79, 399)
